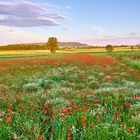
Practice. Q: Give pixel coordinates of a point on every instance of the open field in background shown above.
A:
(34, 53)
(125, 55)
(65, 96)
(29, 53)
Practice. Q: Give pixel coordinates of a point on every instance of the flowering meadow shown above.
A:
(77, 97)
(132, 58)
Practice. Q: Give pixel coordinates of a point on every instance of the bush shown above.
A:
(109, 48)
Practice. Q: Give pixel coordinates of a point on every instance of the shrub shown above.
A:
(109, 48)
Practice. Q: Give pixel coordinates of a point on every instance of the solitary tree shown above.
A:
(52, 44)
(109, 48)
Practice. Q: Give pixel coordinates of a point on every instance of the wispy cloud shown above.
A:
(132, 34)
(29, 14)
(118, 39)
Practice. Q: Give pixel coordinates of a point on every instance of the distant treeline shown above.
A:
(45, 47)
(24, 47)
(96, 47)
(117, 46)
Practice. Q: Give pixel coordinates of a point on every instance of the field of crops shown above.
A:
(75, 97)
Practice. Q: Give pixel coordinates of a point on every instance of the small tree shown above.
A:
(52, 44)
(109, 48)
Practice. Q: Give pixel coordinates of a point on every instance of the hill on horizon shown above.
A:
(61, 44)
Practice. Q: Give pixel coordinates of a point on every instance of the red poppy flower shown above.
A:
(84, 108)
(128, 104)
(69, 138)
(9, 105)
(6, 98)
(32, 126)
(122, 126)
(91, 126)
(45, 108)
(119, 90)
(31, 114)
(105, 111)
(130, 130)
(28, 95)
(40, 138)
(8, 119)
(117, 113)
(76, 107)
(83, 121)
(0, 115)
(8, 111)
(120, 107)
(114, 119)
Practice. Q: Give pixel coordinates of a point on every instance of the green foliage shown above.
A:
(52, 44)
(24, 47)
(109, 48)
(131, 59)
(69, 101)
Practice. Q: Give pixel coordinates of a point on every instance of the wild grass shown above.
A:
(69, 102)
(131, 59)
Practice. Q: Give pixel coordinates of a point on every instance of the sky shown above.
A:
(95, 22)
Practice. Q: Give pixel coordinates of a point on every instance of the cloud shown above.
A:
(29, 14)
(132, 34)
(122, 39)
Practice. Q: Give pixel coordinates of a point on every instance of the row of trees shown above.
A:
(110, 48)
(52, 45)
(24, 47)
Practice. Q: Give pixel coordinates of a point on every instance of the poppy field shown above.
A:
(75, 97)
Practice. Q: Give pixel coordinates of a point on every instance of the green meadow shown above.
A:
(69, 100)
